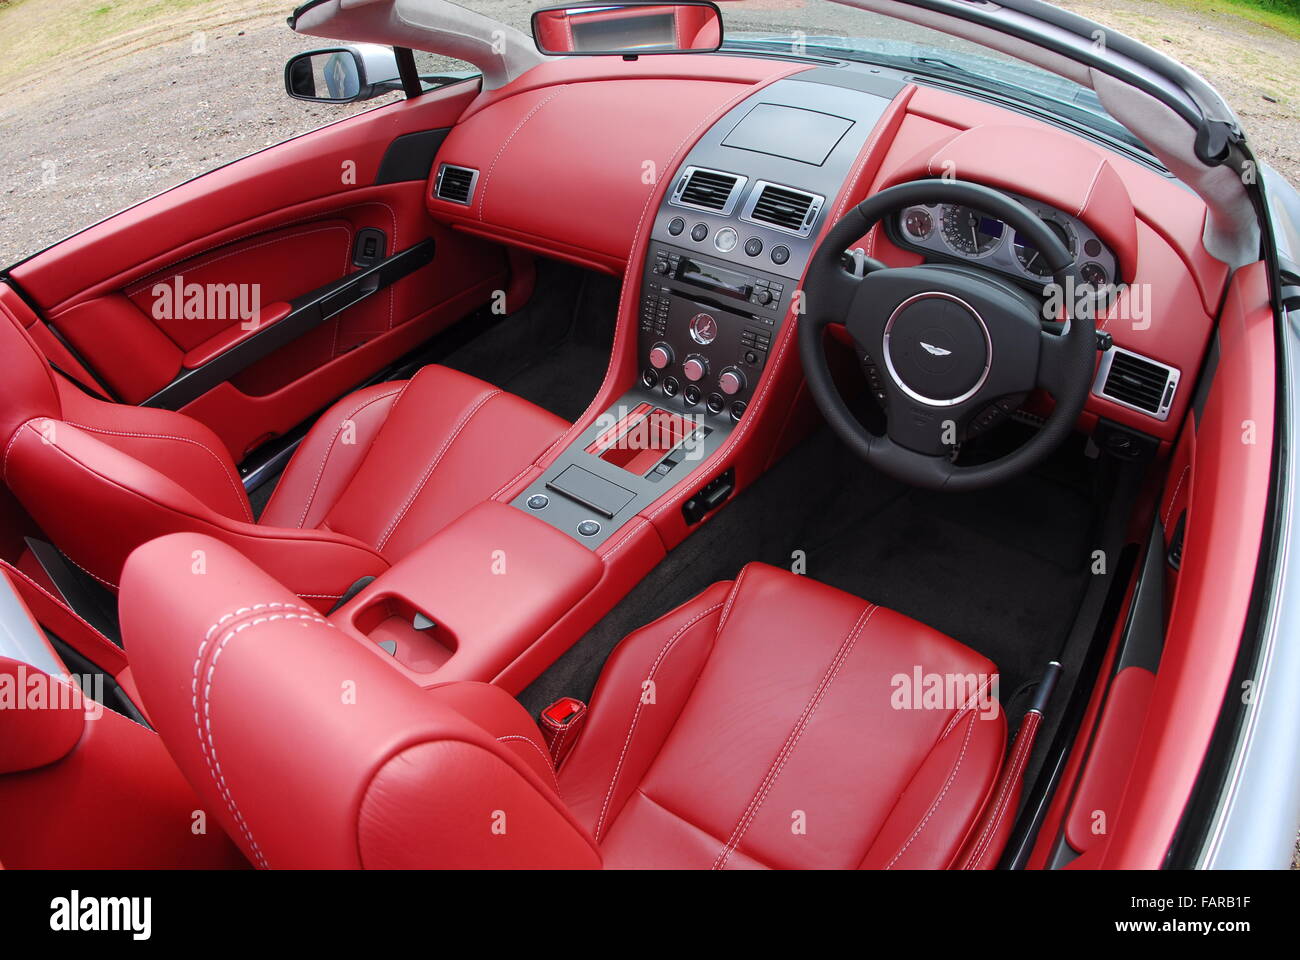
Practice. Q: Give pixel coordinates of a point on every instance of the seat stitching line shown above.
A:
(240, 495)
(203, 712)
(952, 775)
(1004, 794)
(796, 734)
(428, 472)
(545, 756)
(966, 707)
(636, 714)
(311, 497)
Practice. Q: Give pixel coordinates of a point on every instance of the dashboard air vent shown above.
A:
(784, 208)
(455, 183)
(708, 190)
(1136, 382)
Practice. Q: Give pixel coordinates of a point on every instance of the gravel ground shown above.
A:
(147, 110)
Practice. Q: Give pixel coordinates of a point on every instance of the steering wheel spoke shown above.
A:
(1055, 363)
(923, 429)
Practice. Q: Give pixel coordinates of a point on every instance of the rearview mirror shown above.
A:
(628, 29)
(342, 74)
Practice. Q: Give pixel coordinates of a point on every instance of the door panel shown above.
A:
(264, 231)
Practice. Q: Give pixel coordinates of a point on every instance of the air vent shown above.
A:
(784, 208)
(456, 183)
(708, 190)
(1136, 382)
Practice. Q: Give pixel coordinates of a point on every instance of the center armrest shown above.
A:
(474, 597)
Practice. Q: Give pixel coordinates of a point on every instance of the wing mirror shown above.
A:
(628, 29)
(345, 74)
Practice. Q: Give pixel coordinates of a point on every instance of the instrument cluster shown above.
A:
(966, 234)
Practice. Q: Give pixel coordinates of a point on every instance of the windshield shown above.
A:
(824, 28)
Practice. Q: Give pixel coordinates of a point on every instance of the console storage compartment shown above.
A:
(474, 597)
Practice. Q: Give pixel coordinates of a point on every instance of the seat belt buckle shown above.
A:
(560, 723)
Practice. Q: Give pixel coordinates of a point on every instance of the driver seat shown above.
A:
(757, 725)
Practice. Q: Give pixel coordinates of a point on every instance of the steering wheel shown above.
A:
(948, 349)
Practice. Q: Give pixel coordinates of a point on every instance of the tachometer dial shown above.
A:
(918, 223)
(969, 232)
(1032, 259)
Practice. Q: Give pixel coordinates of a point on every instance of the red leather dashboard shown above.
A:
(566, 169)
(566, 166)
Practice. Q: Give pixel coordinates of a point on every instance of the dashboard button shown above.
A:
(737, 409)
(676, 225)
(649, 377)
(764, 296)
(699, 232)
(753, 246)
(716, 403)
(538, 500)
(695, 367)
(692, 394)
(725, 240)
(780, 253)
(670, 386)
(589, 528)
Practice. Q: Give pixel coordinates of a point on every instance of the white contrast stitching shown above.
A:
(842, 654)
(311, 496)
(428, 471)
(636, 715)
(536, 746)
(952, 775)
(1174, 499)
(240, 495)
(203, 707)
(482, 193)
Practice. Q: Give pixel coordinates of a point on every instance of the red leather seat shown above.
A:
(380, 472)
(758, 725)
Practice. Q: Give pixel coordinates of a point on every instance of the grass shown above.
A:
(1282, 15)
(35, 34)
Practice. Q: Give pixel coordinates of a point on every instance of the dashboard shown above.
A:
(966, 235)
(718, 175)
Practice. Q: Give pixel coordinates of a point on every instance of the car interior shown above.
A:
(665, 461)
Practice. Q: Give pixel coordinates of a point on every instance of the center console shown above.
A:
(728, 246)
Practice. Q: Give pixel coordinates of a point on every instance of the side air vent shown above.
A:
(1137, 382)
(455, 183)
(710, 190)
(783, 208)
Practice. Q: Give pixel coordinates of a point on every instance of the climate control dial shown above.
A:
(731, 382)
(695, 368)
(661, 355)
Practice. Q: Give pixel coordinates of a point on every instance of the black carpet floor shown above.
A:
(553, 352)
(1001, 570)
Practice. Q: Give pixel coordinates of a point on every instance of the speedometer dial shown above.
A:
(970, 233)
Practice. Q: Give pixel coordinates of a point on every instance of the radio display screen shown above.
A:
(726, 282)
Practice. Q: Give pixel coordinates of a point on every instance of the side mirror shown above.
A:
(628, 29)
(342, 74)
